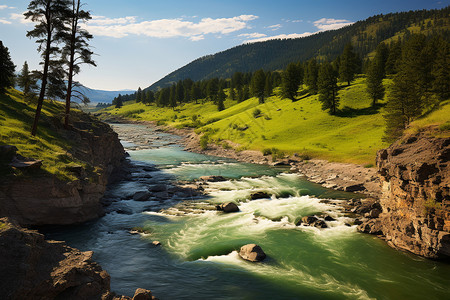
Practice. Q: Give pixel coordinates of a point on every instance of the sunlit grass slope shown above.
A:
(354, 134)
(16, 117)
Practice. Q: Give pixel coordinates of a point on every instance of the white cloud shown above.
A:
(20, 18)
(4, 21)
(255, 35)
(281, 36)
(323, 24)
(166, 28)
(331, 24)
(275, 27)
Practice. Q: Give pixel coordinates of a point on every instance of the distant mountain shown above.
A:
(97, 96)
(276, 54)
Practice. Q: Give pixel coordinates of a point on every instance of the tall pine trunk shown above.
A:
(44, 78)
(71, 63)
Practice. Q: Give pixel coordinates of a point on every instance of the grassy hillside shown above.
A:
(353, 135)
(16, 117)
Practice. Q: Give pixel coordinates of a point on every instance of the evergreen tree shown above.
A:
(257, 84)
(240, 94)
(245, 92)
(440, 72)
(290, 81)
(311, 74)
(213, 89)
(220, 99)
(163, 99)
(50, 17)
(139, 95)
(381, 57)
(75, 50)
(196, 92)
(232, 94)
(348, 64)
(117, 102)
(395, 53)
(149, 97)
(374, 81)
(172, 96)
(327, 84)
(7, 68)
(405, 101)
(268, 86)
(27, 83)
(179, 92)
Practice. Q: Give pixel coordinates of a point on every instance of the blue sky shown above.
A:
(140, 41)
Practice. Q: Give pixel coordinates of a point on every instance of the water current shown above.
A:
(198, 258)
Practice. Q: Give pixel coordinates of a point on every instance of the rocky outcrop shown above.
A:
(228, 207)
(415, 176)
(46, 199)
(33, 268)
(252, 252)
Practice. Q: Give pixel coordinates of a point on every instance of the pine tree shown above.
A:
(405, 101)
(117, 102)
(7, 68)
(327, 84)
(268, 86)
(220, 99)
(50, 15)
(172, 96)
(290, 81)
(374, 81)
(311, 74)
(245, 92)
(196, 92)
(348, 64)
(75, 51)
(232, 94)
(149, 97)
(139, 95)
(440, 72)
(393, 60)
(213, 89)
(257, 84)
(27, 83)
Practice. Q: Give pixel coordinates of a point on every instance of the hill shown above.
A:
(276, 54)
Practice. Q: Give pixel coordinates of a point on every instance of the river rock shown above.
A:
(329, 218)
(355, 188)
(252, 252)
(260, 195)
(141, 196)
(213, 178)
(156, 243)
(142, 294)
(371, 226)
(158, 188)
(228, 207)
(312, 221)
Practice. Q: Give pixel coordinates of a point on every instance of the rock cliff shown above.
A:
(415, 178)
(33, 268)
(41, 200)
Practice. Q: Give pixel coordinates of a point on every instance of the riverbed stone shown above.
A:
(213, 178)
(142, 294)
(228, 207)
(260, 195)
(252, 252)
(158, 188)
(141, 196)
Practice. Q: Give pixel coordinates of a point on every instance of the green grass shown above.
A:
(16, 118)
(353, 135)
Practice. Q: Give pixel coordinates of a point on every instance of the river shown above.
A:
(198, 258)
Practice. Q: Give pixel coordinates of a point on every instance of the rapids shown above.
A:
(198, 258)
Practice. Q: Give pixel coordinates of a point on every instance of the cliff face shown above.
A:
(33, 268)
(40, 200)
(415, 178)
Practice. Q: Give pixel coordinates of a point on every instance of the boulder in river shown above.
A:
(228, 207)
(141, 196)
(213, 178)
(312, 221)
(259, 195)
(142, 294)
(158, 188)
(252, 252)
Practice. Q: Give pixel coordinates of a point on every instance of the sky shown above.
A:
(137, 42)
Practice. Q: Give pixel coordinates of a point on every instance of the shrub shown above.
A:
(256, 113)
(204, 139)
(266, 151)
(368, 166)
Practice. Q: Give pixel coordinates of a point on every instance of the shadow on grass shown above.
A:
(348, 112)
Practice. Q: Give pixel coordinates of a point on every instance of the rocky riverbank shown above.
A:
(42, 199)
(33, 268)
